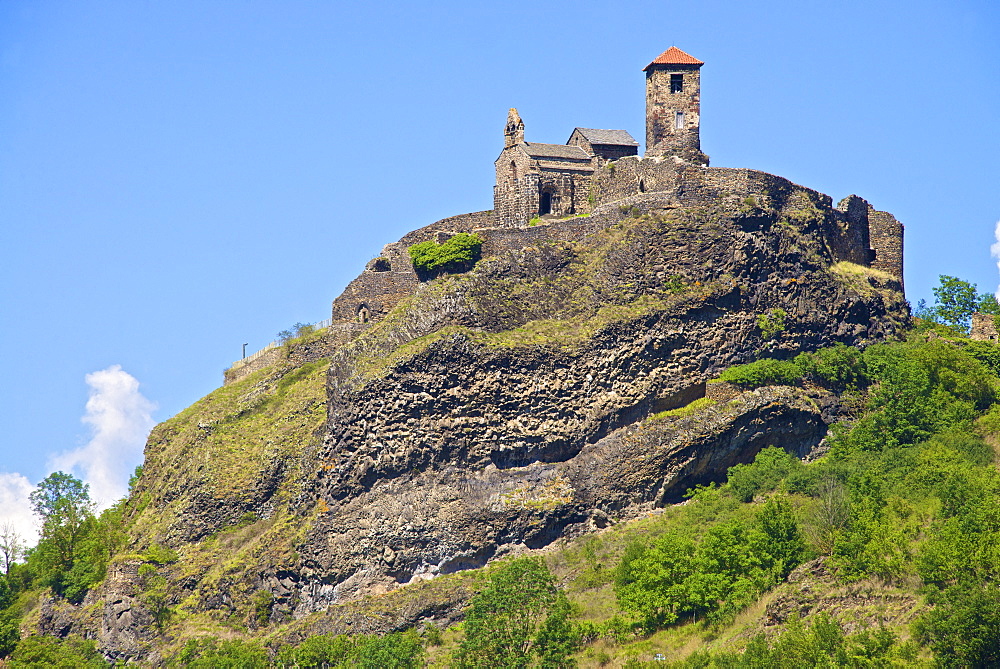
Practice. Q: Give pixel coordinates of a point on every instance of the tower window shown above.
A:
(676, 83)
(678, 120)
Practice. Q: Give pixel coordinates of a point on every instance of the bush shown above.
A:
(838, 367)
(736, 561)
(963, 628)
(210, 653)
(458, 254)
(772, 323)
(50, 652)
(769, 468)
(766, 372)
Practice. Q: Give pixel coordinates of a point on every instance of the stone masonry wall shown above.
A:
(984, 327)
(662, 137)
(297, 353)
(887, 241)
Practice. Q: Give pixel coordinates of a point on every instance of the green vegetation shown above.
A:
(955, 301)
(457, 254)
(772, 323)
(892, 535)
(520, 615)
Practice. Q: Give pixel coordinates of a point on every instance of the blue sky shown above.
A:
(178, 178)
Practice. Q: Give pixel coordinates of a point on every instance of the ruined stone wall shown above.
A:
(887, 241)
(241, 369)
(984, 327)
(320, 345)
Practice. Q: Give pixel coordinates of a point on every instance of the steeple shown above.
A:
(673, 106)
(514, 130)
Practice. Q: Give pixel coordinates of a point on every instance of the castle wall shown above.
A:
(887, 241)
(984, 327)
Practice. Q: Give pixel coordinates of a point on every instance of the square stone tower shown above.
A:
(673, 106)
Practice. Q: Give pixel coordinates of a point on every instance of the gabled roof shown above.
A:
(613, 137)
(555, 151)
(674, 56)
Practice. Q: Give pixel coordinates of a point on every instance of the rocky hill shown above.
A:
(562, 384)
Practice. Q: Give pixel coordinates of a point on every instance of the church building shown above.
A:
(553, 180)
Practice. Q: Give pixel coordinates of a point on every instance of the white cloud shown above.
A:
(120, 419)
(15, 508)
(995, 251)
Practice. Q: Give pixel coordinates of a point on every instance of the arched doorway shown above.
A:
(545, 204)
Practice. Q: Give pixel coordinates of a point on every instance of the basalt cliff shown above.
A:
(561, 384)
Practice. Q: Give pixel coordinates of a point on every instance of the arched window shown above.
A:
(513, 172)
(642, 186)
(364, 315)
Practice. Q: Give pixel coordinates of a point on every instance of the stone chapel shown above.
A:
(553, 180)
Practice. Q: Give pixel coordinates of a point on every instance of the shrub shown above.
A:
(772, 323)
(766, 372)
(211, 653)
(262, 602)
(458, 254)
(838, 367)
(48, 651)
(769, 468)
(296, 331)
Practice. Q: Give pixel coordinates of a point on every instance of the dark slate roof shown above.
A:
(613, 137)
(555, 151)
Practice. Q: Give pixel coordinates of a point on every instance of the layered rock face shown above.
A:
(537, 396)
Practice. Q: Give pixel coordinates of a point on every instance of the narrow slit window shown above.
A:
(676, 83)
(678, 120)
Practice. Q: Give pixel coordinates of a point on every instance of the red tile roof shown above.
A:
(674, 56)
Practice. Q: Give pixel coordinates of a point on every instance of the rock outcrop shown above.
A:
(539, 395)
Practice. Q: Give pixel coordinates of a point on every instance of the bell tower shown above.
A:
(673, 106)
(513, 132)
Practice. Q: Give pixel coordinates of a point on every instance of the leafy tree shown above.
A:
(771, 466)
(735, 561)
(515, 617)
(963, 628)
(398, 650)
(11, 546)
(63, 504)
(954, 301)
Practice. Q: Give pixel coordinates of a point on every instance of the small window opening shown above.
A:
(642, 186)
(513, 171)
(676, 83)
(678, 120)
(545, 205)
(364, 315)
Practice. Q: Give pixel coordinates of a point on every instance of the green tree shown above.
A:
(954, 301)
(63, 504)
(963, 628)
(503, 620)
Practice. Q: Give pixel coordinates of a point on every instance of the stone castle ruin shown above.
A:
(568, 191)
